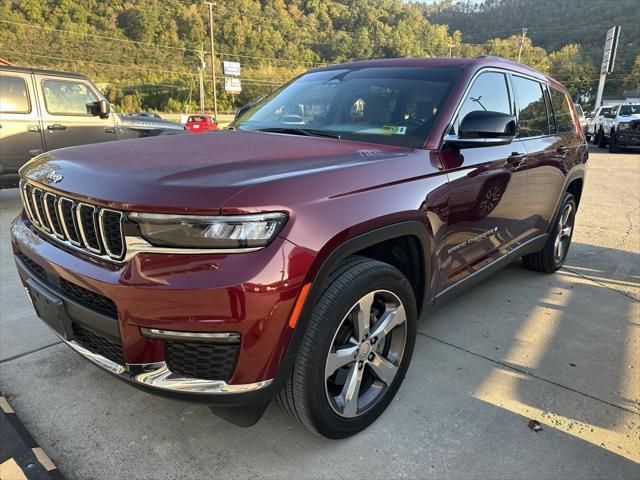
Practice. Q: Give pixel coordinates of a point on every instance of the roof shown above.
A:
(453, 62)
(41, 71)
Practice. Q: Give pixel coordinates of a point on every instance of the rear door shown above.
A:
(551, 141)
(67, 113)
(20, 130)
(486, 186)
(545, 150)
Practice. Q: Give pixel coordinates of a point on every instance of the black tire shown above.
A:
(305, 397)
(596, 137)
(613, 144)
(546, 260)
(602, 141)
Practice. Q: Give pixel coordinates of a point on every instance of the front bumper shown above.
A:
(628, 138)
(153, 375)
(181, 293)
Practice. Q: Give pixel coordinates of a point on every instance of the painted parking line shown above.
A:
(20, 456)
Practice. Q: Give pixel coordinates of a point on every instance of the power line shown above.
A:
(119, 65)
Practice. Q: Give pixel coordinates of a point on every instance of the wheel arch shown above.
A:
(371, 244)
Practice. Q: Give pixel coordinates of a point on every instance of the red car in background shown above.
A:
(201, 123)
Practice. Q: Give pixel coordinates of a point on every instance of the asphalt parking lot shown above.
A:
(562, 349)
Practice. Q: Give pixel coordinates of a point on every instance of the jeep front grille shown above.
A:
(93, 229)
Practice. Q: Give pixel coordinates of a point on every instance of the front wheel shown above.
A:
(613, 144)
(356, 350)
(602, 141)
(554, 252)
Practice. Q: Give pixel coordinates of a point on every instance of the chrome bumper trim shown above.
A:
(157, 375)
(214, 337)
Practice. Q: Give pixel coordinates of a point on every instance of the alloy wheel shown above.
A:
(563, 237)
(365, 353)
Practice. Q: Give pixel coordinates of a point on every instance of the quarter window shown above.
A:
(489, 92)
(562, 112)
(68, 98)
(532, 110)
(13, 95)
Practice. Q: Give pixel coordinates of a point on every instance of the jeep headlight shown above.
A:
(624, 126)
(196, 231)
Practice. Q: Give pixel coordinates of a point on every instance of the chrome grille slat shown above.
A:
(36, 204)
(66, 207)
(87, 228)
(50, 203)
(113, 241)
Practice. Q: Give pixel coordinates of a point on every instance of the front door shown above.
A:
(486, 187)
(20, 132)
(69, 113)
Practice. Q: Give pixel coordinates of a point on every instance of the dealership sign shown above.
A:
(231, 68)
(232, 85)
(610, 47)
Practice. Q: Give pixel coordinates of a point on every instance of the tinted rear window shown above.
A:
(13, 95)
(562, 112)
(197, 118)
(532, 110)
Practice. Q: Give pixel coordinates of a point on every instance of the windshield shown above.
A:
(629, 110)
(393, 106)
(605, 111)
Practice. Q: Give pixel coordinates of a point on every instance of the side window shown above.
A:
(614, 112)
(532, 110)
(64, 97)
(547, 100)
(562, 112)
(13, 95)
(488, 92)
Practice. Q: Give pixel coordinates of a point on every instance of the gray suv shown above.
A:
(42, 110)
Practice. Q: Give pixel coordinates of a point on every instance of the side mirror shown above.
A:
(104, 109)
(483, 128)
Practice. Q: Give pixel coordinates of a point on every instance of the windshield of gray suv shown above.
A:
(388, 105)
(629, 110)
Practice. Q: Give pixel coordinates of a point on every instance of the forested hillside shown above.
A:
(551, 24)
(145, 53)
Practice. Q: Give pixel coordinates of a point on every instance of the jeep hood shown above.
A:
(193, 172)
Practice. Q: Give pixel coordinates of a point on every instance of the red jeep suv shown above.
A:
(291, 255)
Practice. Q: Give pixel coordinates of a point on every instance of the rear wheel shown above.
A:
(554, 253)
(356, 350)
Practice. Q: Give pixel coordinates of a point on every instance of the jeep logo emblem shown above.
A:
(54, 177)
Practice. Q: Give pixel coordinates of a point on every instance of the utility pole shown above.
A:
(201, 68)
(450, 50)
(213, 60)
(524, 36)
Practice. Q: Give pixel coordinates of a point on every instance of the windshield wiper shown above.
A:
(309, 132)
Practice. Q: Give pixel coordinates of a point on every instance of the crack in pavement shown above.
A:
(600, 284)
(24, 354)
(529, 374)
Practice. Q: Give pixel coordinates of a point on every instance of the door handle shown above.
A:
(34, 128)
(562, 149)
(515, 158)
(109, 130)
(56, 127)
